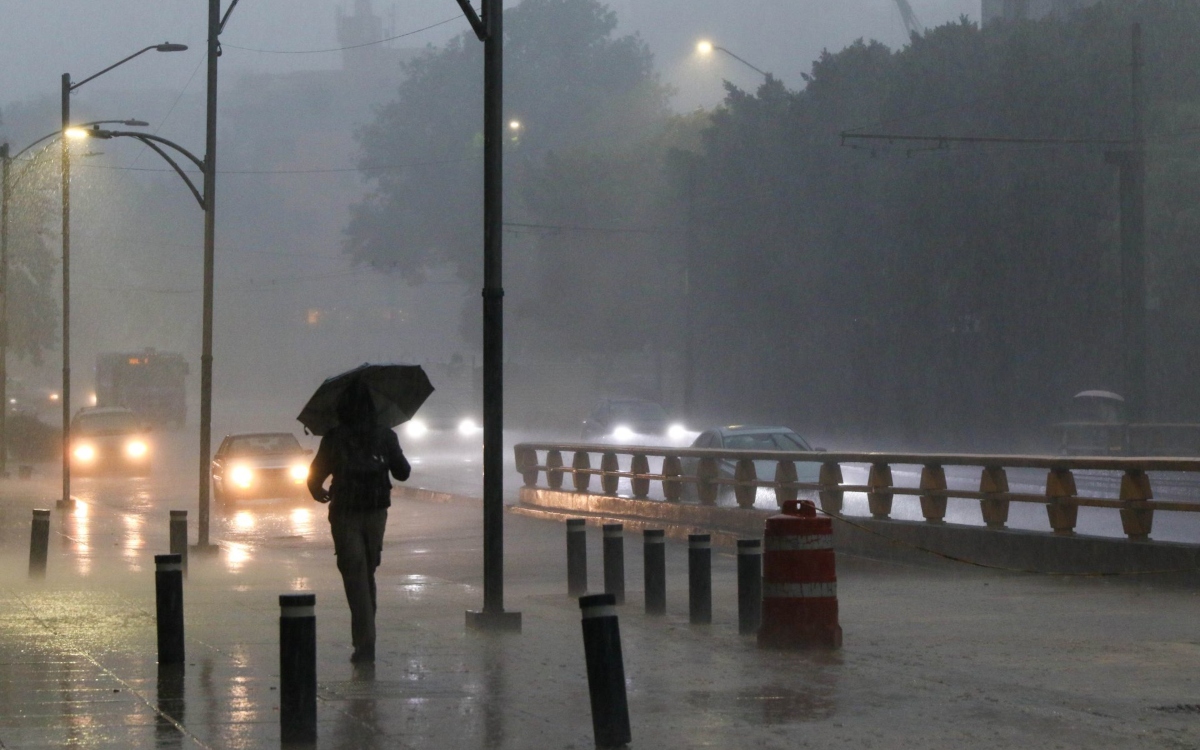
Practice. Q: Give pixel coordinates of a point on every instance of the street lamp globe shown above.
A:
(169, 47)
(704, 47)
(77, 134)
(514, 125)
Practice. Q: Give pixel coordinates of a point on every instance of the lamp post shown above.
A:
(9, 182)
(488, 26)
(704, 47)
(67, 88)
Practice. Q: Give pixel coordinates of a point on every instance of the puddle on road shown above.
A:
(770, 704)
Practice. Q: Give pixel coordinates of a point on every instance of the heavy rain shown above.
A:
(901, 289)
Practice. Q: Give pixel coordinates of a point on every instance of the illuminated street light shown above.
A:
(705, 48)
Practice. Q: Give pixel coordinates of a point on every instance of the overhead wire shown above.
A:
(340, 49)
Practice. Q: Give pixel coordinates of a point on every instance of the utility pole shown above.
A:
(489, 28)
(1132, 166)
(5, 164)
(65, 396)
(689, 309)
(210, 211)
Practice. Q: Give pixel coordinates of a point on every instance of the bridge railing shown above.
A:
(1135, 499)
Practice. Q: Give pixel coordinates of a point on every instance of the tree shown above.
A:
(33, 304)
(569, 82)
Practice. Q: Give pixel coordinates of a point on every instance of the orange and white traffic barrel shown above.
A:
(800, 607)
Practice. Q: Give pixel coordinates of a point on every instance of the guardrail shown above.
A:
(1061, 499)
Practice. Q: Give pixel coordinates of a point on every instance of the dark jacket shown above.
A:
(359, 462)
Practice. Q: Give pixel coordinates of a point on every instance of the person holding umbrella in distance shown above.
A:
(354, 413)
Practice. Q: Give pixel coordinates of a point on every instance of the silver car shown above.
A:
(754, 438)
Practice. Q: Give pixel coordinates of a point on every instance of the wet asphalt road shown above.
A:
(933, 659)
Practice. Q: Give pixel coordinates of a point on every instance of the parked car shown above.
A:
(109, 440)
(259, 465)
(749, 437)
(622, 418)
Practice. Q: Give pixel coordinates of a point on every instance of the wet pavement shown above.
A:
(933, 658)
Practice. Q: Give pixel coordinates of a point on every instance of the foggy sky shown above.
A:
(43, 39)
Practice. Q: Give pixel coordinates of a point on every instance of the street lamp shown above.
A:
(704, 48)
(8, 184)
(67, 88)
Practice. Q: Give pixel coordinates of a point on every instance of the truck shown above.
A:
(149, 382)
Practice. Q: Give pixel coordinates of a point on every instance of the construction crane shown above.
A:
(911, 22)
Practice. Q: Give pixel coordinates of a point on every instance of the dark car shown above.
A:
(754, 438)
(443, 417)
(623, 418)
(259, 465)
(109, 440)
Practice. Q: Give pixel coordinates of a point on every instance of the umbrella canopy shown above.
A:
(397, 391)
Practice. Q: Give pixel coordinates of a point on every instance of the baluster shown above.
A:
(785, 473)
(831, 481)
(581, 479)
(995, 511)
(609, 479)
(933, 507)
(527, 465)
(1060, 486)
(745, 472)
(638, 467)
(880, 502)
(706, 472)
(1135, 488)
(554, 474)
(672, 487)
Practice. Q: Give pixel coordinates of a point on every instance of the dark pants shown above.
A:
(358, 544)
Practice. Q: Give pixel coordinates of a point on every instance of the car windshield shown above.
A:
(106, 423)
(766, 441)
(636, 411)
(254, 445)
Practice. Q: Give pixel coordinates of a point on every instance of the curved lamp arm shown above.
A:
(152, 141)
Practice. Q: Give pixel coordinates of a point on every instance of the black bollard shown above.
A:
(168, 595)
(179, 536)
(614, 561)
(298, 667)
(39, 543)
(749, 572)
(654, 550)
(576, 556)
(605, 670)
(699, 579)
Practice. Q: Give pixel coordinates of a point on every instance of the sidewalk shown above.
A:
(942, 658)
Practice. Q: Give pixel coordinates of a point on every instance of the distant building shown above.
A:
(1015, 10)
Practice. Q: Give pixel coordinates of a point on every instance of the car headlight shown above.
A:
(467, 427)
(677, 432)
(85, 453)
(299, 472)
(622, 432)
(136, 449)
(242, 476)
(416, 428)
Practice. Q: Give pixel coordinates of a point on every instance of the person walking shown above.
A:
(359, 454)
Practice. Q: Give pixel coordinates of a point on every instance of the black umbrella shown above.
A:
(397, 391)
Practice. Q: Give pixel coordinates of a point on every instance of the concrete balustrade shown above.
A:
(1135, 501)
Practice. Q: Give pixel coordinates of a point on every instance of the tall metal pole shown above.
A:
(5, 164)
(1133, 241)
(65, 396)
(689, 324)
(210, 208)
(493, 616)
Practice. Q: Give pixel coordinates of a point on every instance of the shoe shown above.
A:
(363, 655)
